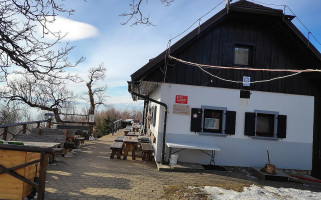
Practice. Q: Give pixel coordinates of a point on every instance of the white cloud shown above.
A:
(72, 29)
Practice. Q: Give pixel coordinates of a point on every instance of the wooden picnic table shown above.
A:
(26, 156)
(131, 143)
(127, 130)
(131, 133)
(119, 139)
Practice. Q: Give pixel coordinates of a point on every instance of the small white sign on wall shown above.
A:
(91, 118)
(246, 81)
(181, 109)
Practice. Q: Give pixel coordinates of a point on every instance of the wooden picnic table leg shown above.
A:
(42, 176)
(127, 147)
(133, 148)
(113, 151)
(118, 153)
(150, 155)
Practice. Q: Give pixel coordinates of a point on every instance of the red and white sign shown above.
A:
(181, 99)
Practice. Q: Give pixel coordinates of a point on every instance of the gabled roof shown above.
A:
(250, 7)
(241, 6)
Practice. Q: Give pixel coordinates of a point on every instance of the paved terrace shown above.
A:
(91, 174)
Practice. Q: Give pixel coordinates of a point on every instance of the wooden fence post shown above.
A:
(5, 133)
(91, 129)
(42, 176)
(24, 128)
(49, 124)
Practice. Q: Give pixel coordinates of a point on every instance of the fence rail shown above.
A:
(24, 129)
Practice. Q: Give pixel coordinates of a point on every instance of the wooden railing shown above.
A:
(49, 123)
(24, 129)
(116, 125)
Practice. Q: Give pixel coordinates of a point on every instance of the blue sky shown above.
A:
(123, 49)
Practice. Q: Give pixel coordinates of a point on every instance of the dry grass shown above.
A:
(183, 192)
(191, 192)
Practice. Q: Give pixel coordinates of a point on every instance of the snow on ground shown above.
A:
(257, 193)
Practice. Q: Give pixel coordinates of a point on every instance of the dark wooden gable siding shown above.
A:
(274, 46)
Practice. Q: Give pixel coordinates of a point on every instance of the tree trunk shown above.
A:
(56, 113)
(91, 99)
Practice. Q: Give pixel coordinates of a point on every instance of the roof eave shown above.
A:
(193, 34)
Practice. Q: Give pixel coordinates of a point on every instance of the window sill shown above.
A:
(264, 138)
(213, 134)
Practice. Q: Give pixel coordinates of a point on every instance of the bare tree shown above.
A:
(97, 94)
(38, 94)
(22, 46)
(10, 114)
(137, 15)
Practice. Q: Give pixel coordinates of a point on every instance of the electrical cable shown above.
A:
(198, 20)
(243, 68)
(285, 6)
(200, 66)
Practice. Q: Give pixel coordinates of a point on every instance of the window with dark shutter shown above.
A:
(249, 124)
(265, 124)
(230, 122)
(212, 121)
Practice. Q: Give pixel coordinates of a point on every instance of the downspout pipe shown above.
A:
(165, 119)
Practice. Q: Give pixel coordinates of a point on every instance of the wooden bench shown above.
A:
(79, 140)
(147, 151)
(116, 147)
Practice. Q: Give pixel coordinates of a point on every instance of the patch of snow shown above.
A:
(257, 193)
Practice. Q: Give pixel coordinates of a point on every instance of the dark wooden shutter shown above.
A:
(230, 122)
(281, 126)
(196, 120)
(228, 54)
(249, 124)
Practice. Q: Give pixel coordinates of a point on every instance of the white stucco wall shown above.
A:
(157, 130)
(293, 152)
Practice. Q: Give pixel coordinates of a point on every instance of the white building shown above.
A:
(212, 107)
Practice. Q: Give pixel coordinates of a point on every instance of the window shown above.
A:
(265, 124)
(242, 55)
(152, 110)
(210, 119)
